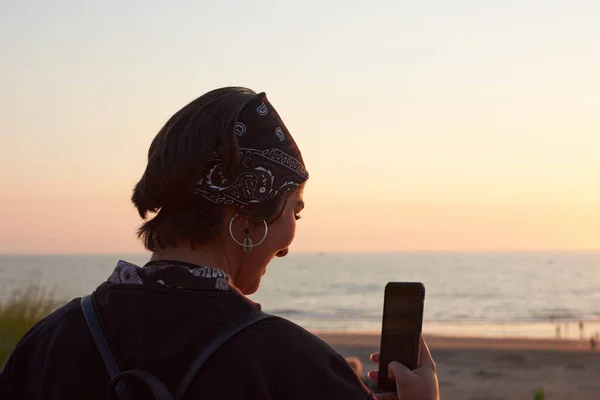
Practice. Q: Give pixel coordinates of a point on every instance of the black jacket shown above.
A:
(161, 330)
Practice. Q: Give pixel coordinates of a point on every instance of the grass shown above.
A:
(19, 313)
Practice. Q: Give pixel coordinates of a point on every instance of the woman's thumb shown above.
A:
(398, 372)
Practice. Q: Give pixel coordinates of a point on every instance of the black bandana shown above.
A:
(271, 163)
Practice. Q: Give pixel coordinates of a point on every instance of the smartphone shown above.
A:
(402, 325)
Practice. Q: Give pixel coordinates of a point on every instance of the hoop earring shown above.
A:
(247, 244)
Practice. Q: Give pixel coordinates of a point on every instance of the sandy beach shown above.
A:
(497, 369)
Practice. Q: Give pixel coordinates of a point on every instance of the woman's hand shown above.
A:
(420, 384)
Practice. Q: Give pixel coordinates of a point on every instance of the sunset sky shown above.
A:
(425, 125)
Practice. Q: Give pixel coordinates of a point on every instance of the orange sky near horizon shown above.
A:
(331, 223)
(442, 128)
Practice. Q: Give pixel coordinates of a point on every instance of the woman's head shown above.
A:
(226, 153)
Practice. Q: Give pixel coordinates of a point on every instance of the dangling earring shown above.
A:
(247, 244)
(247, 239)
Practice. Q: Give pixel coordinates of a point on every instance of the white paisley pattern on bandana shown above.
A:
(270, 161)
(127, 273)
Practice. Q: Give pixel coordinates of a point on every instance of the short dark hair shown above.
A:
(176, 160)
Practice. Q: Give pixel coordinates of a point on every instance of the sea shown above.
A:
(529, 294)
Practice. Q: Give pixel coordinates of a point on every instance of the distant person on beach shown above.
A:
(581, 332)
(220, 196)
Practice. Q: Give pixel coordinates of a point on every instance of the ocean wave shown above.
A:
(347, 314)
(338, 315)
(554, 314)
(286, 311)
(351, 288)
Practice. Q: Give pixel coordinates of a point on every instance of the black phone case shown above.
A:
(385, 383)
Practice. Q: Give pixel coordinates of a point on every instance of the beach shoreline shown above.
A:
(496, 368)
(569, 330)
(461, 342)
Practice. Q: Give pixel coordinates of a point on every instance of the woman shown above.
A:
(224, 180)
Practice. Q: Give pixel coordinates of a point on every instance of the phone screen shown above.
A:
(401, 328)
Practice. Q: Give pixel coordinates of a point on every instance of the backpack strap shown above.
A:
(91, 318)
(224, 335)
(158, 388)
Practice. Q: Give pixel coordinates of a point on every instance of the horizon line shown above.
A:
(322, 252)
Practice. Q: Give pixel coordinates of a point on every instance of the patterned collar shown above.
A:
(173, 274)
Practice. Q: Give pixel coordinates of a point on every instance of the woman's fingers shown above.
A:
(373, 375)
(375, 357)
(398, 372)
(426, 361)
